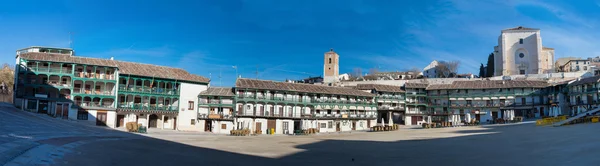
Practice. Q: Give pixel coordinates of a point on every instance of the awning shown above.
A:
(510, 97)
(469, 98)
(493, 98)
(460, 99)
(485, 98)
(452, 99)
(502, 98)
(477, 98)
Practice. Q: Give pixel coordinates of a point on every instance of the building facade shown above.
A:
(390, 102)
(262, 106)
(577, 65)
(520, 52)
(105, 92)
(216, 110)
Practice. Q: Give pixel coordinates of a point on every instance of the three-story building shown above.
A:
(262, 106)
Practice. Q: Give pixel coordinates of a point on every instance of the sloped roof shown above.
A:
(415, 85)
(490, 84)
(379, 87)
(130, 68)
(547, 48)
(307, 88)
(52, 57)
(588, 80)
(217, 91)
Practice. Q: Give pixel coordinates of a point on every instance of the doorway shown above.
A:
(101, 119)
(43, 107)
(208, 125)
(271, 124)
(337, 126)
(120, 120)
(59, 110)
(353, 125)
(152, 120)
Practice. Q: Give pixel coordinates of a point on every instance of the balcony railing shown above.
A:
(215, 116)
(215, 101)
(54, 70)
(94, 104)
(91, 92)
(95, 76)
(303, 100)
(148, 90)
(147, 106)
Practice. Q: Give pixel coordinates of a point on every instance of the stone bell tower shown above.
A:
(331, 67)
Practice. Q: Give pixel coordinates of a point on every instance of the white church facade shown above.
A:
(520, 51)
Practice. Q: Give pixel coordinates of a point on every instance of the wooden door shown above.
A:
(174, 123)
(208, 125)
(58, 110)
(152, 121)
(101, 119)
(368, 124)
(258, 127)
(120, 120)
(271, 124)
(354, 125)
(65, 111)
(413, 120)
(337, 126)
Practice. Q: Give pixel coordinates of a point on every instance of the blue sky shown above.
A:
(287, 39)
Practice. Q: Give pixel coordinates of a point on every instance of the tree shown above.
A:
(447, 69)
(414, 72)
(356, 72)
(7, 78)
(490, 65)
(373, 71)
(481, 71)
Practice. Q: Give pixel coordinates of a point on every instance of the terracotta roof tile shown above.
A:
(51, 57)
(588, 80)
(295, 87)
(217, 91)
(490, 84)
(415, 85)
(130, 68)
(379, 87)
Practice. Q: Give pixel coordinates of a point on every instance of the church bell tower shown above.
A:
(331, 67)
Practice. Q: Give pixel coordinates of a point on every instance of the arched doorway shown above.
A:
(152, 121)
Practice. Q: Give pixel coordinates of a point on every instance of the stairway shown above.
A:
(581, 115)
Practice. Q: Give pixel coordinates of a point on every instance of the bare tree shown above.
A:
(447, 69)
(373, 71)
(356, 72)
(414, 72)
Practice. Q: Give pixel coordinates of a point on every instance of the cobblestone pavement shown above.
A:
(37, 139)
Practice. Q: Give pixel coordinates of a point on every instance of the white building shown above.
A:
(263, 106)
(520, 52)
(430, 70)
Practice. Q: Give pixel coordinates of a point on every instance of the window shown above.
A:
(192, 121)
(521, 72)
(521, 55)
(584, 67)
(323, 125)
(190, 105)
(520, 41)
(330, 125)
(82, 115)
(329, 60)
(223, 126)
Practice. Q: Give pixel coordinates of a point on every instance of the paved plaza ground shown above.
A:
(517, 144)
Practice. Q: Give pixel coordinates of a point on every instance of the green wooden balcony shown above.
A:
(51, 70)
(146, 106)
(148, 90)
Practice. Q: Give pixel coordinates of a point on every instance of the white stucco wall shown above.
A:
(189, 92)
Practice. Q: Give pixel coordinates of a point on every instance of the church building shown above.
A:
(520, 51)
